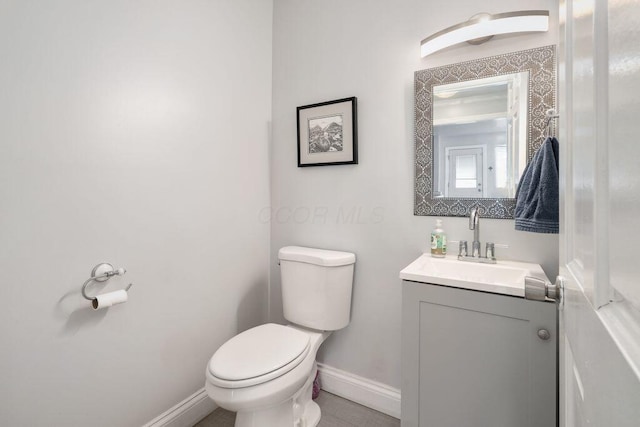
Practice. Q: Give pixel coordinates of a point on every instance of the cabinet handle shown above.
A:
(543, 334)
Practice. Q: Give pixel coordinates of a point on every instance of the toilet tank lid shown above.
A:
(322, 257)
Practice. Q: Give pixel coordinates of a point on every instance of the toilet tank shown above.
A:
(316, 287)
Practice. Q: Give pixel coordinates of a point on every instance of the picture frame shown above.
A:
(328, 133)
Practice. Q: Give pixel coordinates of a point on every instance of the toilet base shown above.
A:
(280, 415)
(312, 414)
(299, 411)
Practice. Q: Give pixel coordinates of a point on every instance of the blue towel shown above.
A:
(537, 198)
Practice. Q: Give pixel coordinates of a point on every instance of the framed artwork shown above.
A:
(328, 133)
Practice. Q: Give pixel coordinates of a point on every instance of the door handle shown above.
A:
(539, 289)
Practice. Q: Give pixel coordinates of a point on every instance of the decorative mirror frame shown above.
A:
(541, 65)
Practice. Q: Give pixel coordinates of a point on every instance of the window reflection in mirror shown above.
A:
(480, 136)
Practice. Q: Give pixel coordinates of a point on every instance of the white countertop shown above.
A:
(504, 277)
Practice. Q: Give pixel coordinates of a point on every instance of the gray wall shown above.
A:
(134, 133)
(331, 49)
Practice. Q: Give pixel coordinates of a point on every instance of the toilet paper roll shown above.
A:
(109, 299)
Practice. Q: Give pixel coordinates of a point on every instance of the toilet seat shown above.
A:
(258, 355)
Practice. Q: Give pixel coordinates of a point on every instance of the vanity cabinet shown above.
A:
(477, 359)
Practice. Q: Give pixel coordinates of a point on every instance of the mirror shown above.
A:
(477, 125)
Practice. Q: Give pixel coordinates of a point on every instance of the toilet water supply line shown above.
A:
(101, 273)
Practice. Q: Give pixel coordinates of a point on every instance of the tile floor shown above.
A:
(336, 412)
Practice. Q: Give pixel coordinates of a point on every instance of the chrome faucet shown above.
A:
(476, 254)
(474, 224)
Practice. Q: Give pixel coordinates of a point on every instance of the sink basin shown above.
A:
(504, 277)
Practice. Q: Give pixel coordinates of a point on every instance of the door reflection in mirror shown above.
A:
(480, 136)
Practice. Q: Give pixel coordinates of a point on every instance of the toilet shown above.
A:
(266, 373)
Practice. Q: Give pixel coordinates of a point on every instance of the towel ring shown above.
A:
(101, 273)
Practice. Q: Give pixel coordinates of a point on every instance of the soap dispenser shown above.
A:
(438, 241)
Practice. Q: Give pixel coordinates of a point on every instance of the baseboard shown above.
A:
(366, 392)
(371, 394)
(186, 413)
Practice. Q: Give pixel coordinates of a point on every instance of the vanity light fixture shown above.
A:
(482, 27)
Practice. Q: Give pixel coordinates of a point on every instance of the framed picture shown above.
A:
(328, 133)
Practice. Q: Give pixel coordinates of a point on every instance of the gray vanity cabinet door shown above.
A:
(475, 359)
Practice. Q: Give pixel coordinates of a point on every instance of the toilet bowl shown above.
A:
(287, 388)
(266, 373)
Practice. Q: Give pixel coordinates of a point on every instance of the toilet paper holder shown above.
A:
(101, 273)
